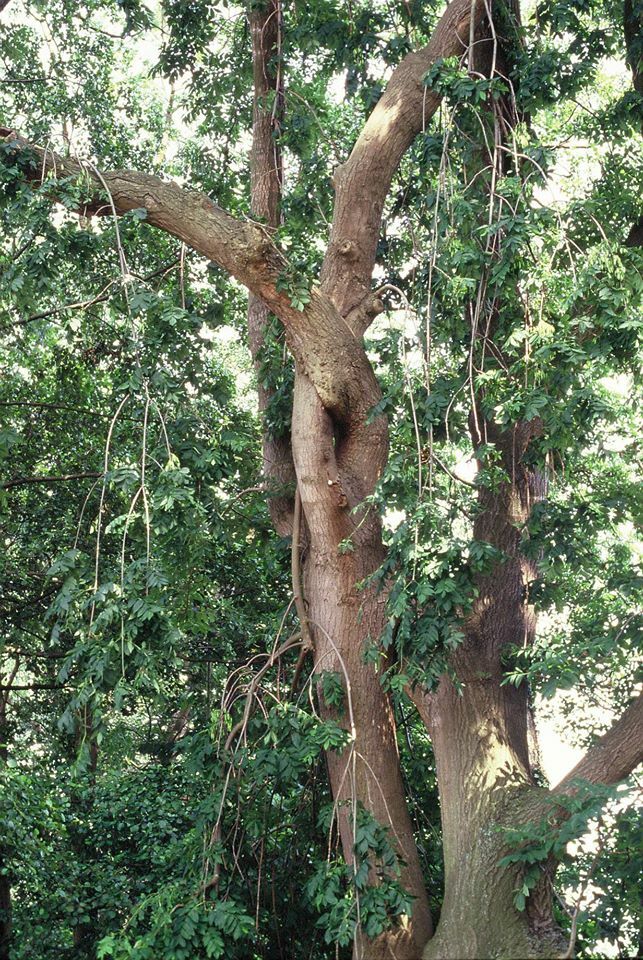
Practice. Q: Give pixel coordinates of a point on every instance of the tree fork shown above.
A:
(332, 478)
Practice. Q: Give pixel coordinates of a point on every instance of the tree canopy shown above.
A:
(320, 328)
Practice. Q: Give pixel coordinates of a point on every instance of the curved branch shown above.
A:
(615, 756)
(363, 182)
(318, 336)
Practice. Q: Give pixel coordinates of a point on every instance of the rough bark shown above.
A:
(343, 619)
(265, 193)
(338, 467)
(318, 336)
(480, 735)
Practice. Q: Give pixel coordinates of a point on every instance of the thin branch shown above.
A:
(8, 687)
(42, 405)
(84, 304)
(24, 80)
(22, 481)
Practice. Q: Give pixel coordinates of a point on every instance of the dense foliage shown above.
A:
(142, 588)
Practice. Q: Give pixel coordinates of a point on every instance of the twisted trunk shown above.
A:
(345, 547)
(335, 466)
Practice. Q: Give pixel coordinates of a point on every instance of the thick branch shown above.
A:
(615, 755)
(363, 182)
(318, 336)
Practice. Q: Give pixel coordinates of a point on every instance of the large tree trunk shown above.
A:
(334, 474)
(483, 784)
(368, 771)
(480, 735)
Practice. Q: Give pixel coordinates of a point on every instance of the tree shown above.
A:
(445, 628)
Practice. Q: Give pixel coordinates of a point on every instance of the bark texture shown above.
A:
(363, 182)
(343, 620)
(615, 755)
(481, 735)
(338, 464)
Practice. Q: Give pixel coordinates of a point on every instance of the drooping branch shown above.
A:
(100, 297)
(322, 341)
(363, 182)
(615, 756)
